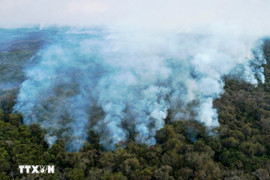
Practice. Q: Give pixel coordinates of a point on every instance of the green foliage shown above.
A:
(238, 149)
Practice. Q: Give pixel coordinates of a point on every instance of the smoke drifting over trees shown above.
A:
(175, 89)
(135, 63)
(133, 78)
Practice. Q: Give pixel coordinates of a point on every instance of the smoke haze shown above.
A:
(117, 68)
(224, 16)
(134, 79)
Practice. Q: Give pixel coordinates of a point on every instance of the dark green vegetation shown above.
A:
(238, 149)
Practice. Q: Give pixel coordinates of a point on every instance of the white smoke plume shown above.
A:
(124, 64)
(135, 78)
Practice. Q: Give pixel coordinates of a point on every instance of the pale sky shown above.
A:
(251, 16)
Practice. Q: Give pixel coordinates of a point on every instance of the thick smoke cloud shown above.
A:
(125, 65)
(122, 84)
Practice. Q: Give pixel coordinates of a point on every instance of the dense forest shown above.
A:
(238, 149)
